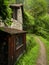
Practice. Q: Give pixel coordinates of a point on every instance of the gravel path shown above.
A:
(42, 56)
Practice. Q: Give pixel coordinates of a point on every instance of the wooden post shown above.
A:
(11, 51)
(24, 40)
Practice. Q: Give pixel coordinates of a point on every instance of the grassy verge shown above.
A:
(46, 42)
(30, 57)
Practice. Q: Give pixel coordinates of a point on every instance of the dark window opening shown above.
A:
(14, 13)
(19, 40)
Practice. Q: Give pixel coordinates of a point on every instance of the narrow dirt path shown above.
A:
(42, 56)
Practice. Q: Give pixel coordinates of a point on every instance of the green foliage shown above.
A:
(45, 20)
(12, 1)
(43, 26)
(39, 7)
(5, 11)
(28, 22)
(20, 1)
(29, 40)
(30, 57)
(38, 10)
(7, 22)
(27, 6)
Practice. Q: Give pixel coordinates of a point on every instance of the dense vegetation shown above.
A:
(5, 11)
(28, 22)
(38, 18)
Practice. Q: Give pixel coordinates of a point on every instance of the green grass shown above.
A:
(31, 54)
(46, 42)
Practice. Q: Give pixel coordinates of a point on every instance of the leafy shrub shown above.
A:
(45, 20)
(30, 42)
(5, 11)
(28, 22)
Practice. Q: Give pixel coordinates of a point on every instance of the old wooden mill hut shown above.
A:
(12, 39)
